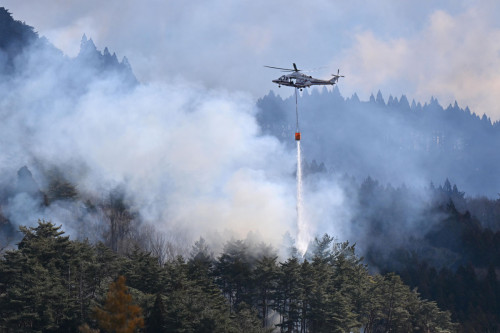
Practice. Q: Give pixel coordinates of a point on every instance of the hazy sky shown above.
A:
(448, 49)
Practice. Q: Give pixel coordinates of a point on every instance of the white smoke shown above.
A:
(188, 158)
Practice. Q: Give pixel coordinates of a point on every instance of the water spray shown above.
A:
(302, 235)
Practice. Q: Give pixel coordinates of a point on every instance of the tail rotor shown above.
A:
(336, 77)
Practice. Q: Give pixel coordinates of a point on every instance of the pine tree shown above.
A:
(349, 283)
(394, 306)
(36, 281)
(265, 281)
(246, 320)
(194, 304)
(307, 286)
(233, 271)
(371, 312)
(156, 322)
(143, 272)
(201, 261)
(288, 295)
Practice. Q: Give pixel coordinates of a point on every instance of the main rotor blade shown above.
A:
(295, 69)
(283, 69)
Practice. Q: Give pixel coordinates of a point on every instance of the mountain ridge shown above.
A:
(20, 43)
(395, 141)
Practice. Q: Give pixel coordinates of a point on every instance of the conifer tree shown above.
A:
(156, 322)
(288, 295)
(35, 281)
(233, 271)
(119, 314)
(201, 261)
(265, 280)
(143, 271)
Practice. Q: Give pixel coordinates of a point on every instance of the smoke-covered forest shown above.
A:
(396, 142)
(54, 284)
(393, 161)
(132, 207)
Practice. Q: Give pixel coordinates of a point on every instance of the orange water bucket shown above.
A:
(297, 136)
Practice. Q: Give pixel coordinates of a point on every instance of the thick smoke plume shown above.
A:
(187, 158)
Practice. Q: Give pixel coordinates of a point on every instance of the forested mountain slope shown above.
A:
(22, 52)
(394, 142)
(380, 157)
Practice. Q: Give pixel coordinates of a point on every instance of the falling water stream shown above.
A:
(302, 233)
(302, 230)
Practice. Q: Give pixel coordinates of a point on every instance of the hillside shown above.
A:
(395, 141)
(23, 51)
(134, 174)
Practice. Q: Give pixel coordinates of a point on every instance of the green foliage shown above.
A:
(288, 301)
(265, 280)
(51, 283)
(36, 281)
(157, 322)
(143, 272)
(233, 272)
(246, 320)
(193, 303)
(473, 300)
(201, 262)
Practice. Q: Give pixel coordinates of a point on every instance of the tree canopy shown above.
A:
(51, 283)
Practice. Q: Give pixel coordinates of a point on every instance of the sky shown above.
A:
(449, 49)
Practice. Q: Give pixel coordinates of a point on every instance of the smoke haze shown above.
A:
(188, 158)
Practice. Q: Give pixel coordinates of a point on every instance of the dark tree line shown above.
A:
(441, 248)
(393, 140)
(467, 285)
(51, 283)
(435, 222)
(471, 294)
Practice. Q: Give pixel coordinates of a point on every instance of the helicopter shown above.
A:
(299, 80)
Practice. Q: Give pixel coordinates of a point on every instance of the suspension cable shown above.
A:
(297, 111)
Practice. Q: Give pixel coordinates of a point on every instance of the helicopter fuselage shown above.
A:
(299, 80)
